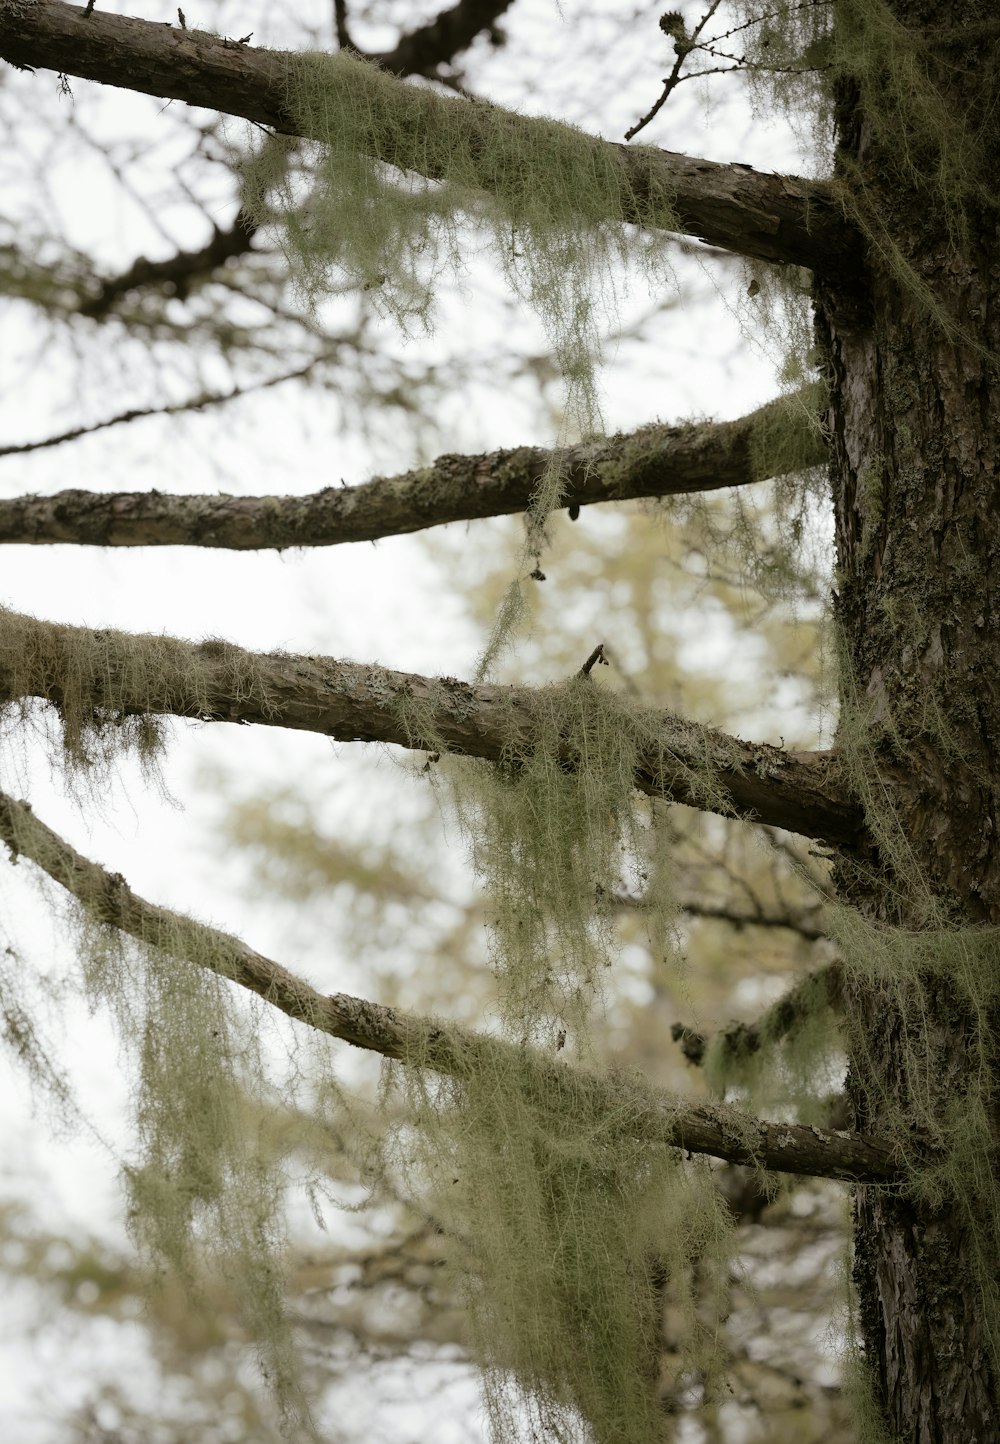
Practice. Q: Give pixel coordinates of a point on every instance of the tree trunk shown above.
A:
(918, 548)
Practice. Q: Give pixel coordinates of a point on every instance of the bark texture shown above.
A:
(654, 461)
(914, 435)
(129, 675)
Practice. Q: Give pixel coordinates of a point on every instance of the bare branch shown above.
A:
(179, 272)
(737, 917)
(122, 674)
(720, 1130)
(654, 461)
(202, 402)
(421, 51)
(768, 217)
(747, 918)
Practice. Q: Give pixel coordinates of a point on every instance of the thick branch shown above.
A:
(768, 217)
(86, 673)
(655, 461)
(720, 1130)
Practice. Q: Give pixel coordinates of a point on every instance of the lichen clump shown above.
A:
(396, 171)
(109, 690)
(584, 1234)
(395, 183)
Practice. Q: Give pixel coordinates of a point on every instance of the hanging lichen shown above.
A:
(106, 687)
(556, 830)
(203, 1189)
(857, 58)
(399, 168)
(584, 1235)
(931, 1003)
(395, 182)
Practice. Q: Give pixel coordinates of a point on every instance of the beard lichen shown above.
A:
(205, 1192)
(106, 687)
(584, 1237)
(392, 173)
(584, 1234)
(556, 830)
(384, 196)
(915, 1014)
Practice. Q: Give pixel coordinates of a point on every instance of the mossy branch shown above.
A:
(654, 461)
(98, 679)
(738, 1042)
(419, 52)
(775, 218)
(721, 1131)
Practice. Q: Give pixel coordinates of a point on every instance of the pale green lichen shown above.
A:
(583, 1233)
(394, 181)
(204, 1190)
(106, 687)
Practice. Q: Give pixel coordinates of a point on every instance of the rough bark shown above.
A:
(914, 438)
(767, 217)
(655, 461)
(721, 1130)
(133, 675)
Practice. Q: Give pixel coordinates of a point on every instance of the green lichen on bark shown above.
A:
(94, 682)
(546, 194)
(583, 1229)
(550, 200)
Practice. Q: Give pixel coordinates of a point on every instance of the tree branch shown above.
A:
(737, 917)
(720, 1130)
(418, 53)
(654, 461)
(108, 675)
(822, 988)
(179, 272)
(421, 51)
(202, 402)
(768, 217)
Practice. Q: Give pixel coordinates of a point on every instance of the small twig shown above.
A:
(597, 655)
(672, 25)
(685, 45)
(175, 408)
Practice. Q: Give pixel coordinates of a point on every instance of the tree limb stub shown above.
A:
(719, 1130)
(654, 461)
(784, 219)
(123, 674)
